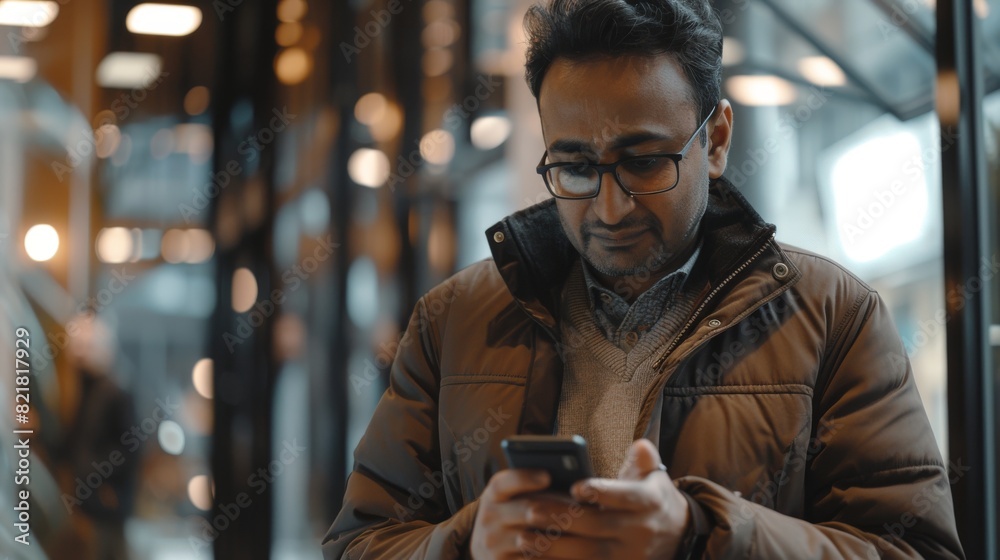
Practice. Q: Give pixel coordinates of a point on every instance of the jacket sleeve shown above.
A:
(394, 505)
(876, 486)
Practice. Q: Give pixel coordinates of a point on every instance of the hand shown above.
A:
(640, 515)
(501, 517)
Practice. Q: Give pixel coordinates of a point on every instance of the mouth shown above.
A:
(624, 238)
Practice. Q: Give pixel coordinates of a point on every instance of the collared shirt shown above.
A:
(624, 324)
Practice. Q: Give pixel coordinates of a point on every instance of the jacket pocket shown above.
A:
(475, 413)
(752, 439)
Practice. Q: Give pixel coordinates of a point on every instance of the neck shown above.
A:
(632, 286)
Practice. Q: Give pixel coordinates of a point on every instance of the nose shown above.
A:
(612, 203)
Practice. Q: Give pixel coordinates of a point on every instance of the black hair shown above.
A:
(689, 30)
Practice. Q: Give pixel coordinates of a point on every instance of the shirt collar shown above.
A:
(615, 306)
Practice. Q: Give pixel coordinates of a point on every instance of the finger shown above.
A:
(508, 483)
(578, 519)
(509, 515)
(642, 459)
(556, 545)
(554, 499)
(626, 495)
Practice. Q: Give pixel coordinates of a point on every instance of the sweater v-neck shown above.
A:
(624, 363)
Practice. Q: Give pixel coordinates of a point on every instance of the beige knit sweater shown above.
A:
(603, 384)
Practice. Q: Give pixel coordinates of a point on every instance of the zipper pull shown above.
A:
(660, 360)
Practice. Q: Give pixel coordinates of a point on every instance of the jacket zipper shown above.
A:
(694, 316)
(697, 312)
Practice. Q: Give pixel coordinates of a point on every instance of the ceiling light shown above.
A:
(288, 33)
(733, 52)
(115, 245)
(757, 91)
(170, 436)
(489, 132)
(368, 167)
(196, 100)
(41, 242)
(175, 246)
(25, 13)
(437, 147)
(292, 66)
(388, 125)
(201, 377)
(292, 10)
(822, 71)
(201, 246)
(244, 288)
(370, 108)
(127, 70)
(107, 138)
(163, 19)
(17, 68)
(201, 491)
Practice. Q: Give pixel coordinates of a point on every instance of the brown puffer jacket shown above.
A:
(786, 407)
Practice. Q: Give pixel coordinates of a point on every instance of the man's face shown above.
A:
(605, 109)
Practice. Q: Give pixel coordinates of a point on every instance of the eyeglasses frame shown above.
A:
(603, 168)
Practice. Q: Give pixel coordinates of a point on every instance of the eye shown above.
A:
(577, 169)
(643, 165)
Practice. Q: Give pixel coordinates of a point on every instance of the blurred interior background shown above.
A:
(215, 217)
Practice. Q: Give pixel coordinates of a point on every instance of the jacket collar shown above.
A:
(533, 254)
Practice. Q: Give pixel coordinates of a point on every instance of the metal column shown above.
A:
(244, 98)
(971, 439)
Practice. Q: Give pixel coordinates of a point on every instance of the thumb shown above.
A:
(643, 458)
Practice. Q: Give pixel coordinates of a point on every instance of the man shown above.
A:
(647, 308)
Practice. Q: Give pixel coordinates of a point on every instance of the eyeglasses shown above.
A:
(642, 174)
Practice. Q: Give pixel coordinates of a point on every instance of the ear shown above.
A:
(720, 137)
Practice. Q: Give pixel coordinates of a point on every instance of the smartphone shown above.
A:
(564, 457)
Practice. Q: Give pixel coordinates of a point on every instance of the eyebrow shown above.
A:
(576, 146)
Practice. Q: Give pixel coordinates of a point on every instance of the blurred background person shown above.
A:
(97, 470)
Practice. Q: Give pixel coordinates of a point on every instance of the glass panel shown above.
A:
(989, 12)
(874, 43)
(768, 45)
(844, 177)
(989, 15)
